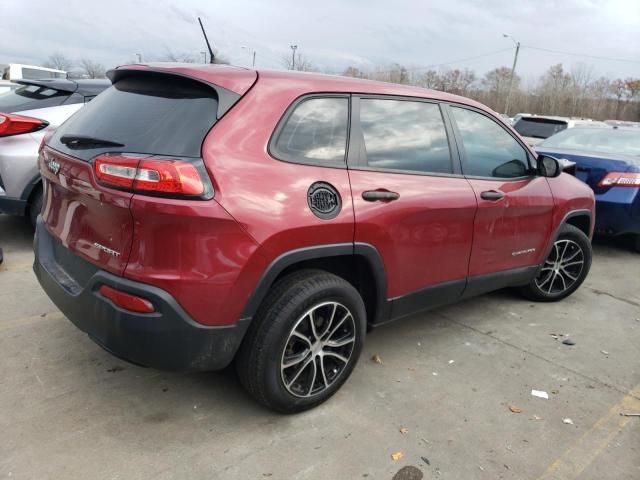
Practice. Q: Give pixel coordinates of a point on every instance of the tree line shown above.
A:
(576, 92)
(573, 93)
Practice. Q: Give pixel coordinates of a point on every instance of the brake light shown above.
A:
(620, 179)
(17, 124)
(154, 175)
(127, 301)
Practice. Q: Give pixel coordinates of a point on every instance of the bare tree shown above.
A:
(183, 57)
(302, 64)
(59, 61)
(92, 69)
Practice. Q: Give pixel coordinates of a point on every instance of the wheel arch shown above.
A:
(581, 219)
(358, 263)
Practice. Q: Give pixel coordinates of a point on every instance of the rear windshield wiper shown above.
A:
(81, 141)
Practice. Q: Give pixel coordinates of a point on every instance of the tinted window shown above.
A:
(316, 132)
(405, 135)
(154, 114)
(538, 127)
(612, 141)
(489, 150)
(36, 73)
(29, 97)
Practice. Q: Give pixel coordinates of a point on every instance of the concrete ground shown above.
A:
(69, 410)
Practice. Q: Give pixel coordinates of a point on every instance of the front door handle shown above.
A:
(491, 195)
(380, 195)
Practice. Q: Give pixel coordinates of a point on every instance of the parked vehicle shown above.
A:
(536, 128)
(27, 113)
(197, 214)
(6, 86)
(608, 160)
(17, 71)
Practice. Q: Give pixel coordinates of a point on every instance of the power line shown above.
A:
(581, 54)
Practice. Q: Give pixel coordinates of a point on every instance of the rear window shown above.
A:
(30, 97)
(539, 127)
(152, 114)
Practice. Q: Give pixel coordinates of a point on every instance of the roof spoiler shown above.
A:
(226, 98)
(64, 85)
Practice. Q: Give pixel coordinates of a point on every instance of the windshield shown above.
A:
(539, 127)
(612, 141)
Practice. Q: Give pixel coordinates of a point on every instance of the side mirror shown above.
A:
(548, 166)
(511, 169)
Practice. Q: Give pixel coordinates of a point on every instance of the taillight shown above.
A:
(17, 124)
(620, 179)
(127, 301)
(155, 175)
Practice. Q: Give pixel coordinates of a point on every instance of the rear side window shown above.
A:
(539, 127)
(151, 114)
(315, 132)
(30, 97)
(405, 135)
(489, 150)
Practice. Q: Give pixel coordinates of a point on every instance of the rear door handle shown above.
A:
(380, 195)
(491, 195)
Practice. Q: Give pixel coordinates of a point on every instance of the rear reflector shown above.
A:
(17, 124)
(127, 301)
(154, 175)
(620, 179)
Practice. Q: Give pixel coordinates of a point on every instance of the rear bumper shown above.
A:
(167, 339)
(618, 211)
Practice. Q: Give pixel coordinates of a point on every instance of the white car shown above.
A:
(27, 113)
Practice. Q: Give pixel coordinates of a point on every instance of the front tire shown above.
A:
(304, 341)
(564, 269)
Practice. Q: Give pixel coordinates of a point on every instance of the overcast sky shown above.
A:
(332, 34)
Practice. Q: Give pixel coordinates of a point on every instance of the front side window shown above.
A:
(404, 135)
(315, 132)
(489, 150)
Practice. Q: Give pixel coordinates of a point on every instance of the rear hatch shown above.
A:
(92, 165)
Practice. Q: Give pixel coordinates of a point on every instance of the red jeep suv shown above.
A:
(194, 215)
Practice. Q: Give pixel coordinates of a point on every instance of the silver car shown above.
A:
(27, 113)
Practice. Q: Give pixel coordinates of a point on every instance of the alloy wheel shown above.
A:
(318, 349)
(562, 268)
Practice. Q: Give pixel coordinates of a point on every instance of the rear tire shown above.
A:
(564, 269)
(304, 341)
(35, 206)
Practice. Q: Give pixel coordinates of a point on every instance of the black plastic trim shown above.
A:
(514, 277)
(288, 259)
(167, 339)
(573, 213)
(427, 298)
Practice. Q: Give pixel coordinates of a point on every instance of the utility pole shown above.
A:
(139, 57)
(205, 56)
(254, 59)
(293, 56)
(513, 72)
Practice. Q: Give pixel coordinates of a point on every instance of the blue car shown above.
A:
(608, 160)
